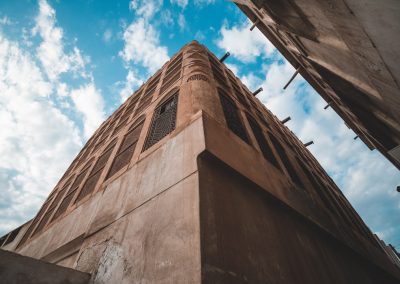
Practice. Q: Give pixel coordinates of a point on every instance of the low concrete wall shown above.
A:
(15, 268)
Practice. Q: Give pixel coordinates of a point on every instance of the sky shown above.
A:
(65, 66)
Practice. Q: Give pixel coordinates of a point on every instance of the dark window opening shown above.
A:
(232, 117)
(286, 162)
(265, 148)
(96, 172)
(164, 120)
(127, 148)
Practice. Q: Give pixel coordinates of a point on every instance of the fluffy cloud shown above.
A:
(51, 50)
(251, 44)
(201, 3)
(180, 3)
(182, 22)
(89, 102)
(131, 82)
(37, 140)
(142, 46)
(145, 8)
(40, 115)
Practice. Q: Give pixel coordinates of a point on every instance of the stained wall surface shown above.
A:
(193, 180)
(348, 50)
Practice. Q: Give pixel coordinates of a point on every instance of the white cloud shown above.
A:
(201, 3)
(89, 102)
(199, 35)
(142, 46)
(37, 140)
(180, 3)
(244, 44)
(51, 50)
(5, 21)
(166, 18)
(182, 22)
(131, 82)
(145, 8)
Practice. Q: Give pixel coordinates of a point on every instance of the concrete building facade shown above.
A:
(193, 180)
(349, 51)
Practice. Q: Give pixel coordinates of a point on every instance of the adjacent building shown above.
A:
(193, 180)
(349, 51)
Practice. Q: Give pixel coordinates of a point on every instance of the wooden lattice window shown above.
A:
(132, 104)
(238, 92)
(232, 117)
(72, 190)
(164, 120)
(34, 222)
(120, 125)
(128, 145)
(172, 74)
(218, 73)
(11, 236)
(286, 162)
(262, 142)
(96, 172)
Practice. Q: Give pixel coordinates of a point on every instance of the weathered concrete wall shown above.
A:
(265, 176)
(248, 236)
(18, 269)
(152, 221)
(143, 226)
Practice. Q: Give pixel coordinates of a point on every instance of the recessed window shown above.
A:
(164, 120)
(232, 117)
(127, 148)
(96, 172)
(265, 148)
(286, 161)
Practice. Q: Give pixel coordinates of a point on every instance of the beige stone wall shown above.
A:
(146, 222)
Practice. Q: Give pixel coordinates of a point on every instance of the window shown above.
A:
(125, 151)
(34, 222)
(172, 74)
(286, 162)
(96, 172)
(11, 237)
(265, 148)
(232, 117)
(164, 120)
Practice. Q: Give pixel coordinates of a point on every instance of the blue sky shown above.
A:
(66, 65)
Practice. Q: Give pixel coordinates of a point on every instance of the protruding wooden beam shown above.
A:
(292, 78)
(255, 24)
(286, 120)
(328, 105)
(256, 92)
(226, 55)
(308, 143)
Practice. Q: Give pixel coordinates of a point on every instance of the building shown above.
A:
(390, 251)
(348, 50)
(193, 180)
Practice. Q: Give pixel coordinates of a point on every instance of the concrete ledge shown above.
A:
(15, 268)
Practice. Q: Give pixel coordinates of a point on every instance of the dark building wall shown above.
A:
(348, 50)
(248, 236)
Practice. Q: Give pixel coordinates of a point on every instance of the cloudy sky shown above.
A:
(66, 65)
